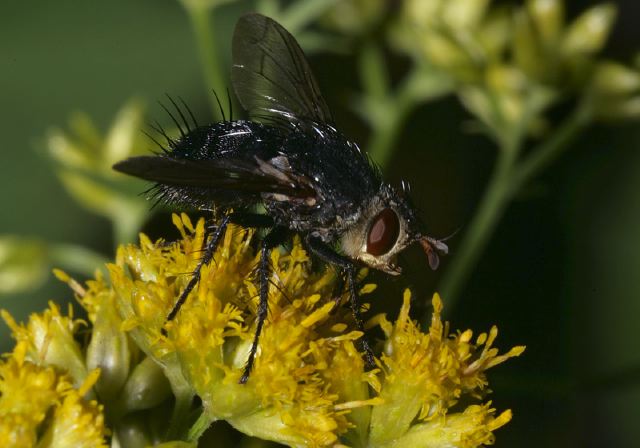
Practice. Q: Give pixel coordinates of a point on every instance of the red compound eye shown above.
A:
(383, 233)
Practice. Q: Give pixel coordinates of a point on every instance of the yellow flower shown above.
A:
(425, 374)
(49, 338)
(308, 387)
(39, 406)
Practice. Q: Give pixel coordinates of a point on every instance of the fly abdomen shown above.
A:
(233, 139)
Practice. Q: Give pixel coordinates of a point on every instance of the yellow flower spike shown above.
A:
(29, 392)
(26, 392)
(308, 386)
(50, 340)
(472, 428)
(76, 423)
(425, 374)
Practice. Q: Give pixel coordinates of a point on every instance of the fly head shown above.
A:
(387, 225)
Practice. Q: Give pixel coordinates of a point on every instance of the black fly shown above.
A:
(289, 158)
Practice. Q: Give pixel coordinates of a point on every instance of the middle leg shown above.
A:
(274, 238)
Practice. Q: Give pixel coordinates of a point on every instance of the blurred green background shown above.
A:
(560, 275)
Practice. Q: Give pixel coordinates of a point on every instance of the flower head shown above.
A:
(39, 406)
(309, 386)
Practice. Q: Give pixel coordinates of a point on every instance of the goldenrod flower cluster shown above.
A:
(309, 386)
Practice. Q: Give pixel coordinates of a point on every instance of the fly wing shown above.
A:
(219, 174)
(271, 75)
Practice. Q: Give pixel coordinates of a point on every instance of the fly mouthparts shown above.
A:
(434, 249)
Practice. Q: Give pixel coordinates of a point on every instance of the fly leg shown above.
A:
(327, 254)
(209, 249)
(338, 289)
(274, 238)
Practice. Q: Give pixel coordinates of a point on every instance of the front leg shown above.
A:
(328, 255)
(209, 247)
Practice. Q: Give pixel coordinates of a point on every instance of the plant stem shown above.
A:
(180, 415)
(549, 150)
(209, 58)
(508, 178)
(489, 212)
(199, 427)
(387, 109)
(385, 134)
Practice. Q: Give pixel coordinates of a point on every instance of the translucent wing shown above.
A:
(271, 75)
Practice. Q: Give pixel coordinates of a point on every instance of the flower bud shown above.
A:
(146, 387)
(612, 78)
(132, 432)
(526, 49)
(589, 32)
(108, 350)
(463, 14)
(625, 109)
(421, 12)
(548, 17)
(49, 337)
(23, 264)
(354, 16)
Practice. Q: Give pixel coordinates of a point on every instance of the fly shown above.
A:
(290, 158)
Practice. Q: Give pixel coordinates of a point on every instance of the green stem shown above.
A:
(489, 212)
(387, 110)
(384, 135)
(508, 178)
(549, 150)
(201, 23)
(180, 415)
(375, 82)
(199, 427)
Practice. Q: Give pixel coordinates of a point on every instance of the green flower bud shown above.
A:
(548, 18)
(420, 12)
(463, 14)
(612, 78)
(354, 16)
(108, 350)
(23, 264)
(146, 387)
(131, 432)
(495, 33)
(526, 49)
(589, 32)
(626, 109)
